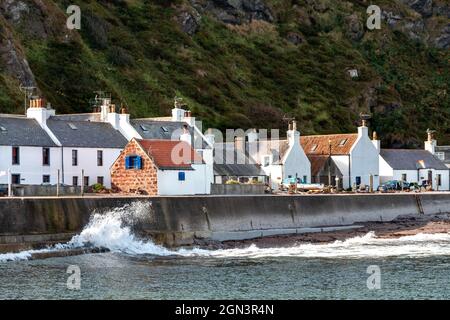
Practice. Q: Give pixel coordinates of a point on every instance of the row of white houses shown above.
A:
(84, 149)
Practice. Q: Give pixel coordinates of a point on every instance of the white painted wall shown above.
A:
(364, 160)
(295, 162)
(386, 171)
(343, 163)
(87, 161)
(195, 182)
(30, 168)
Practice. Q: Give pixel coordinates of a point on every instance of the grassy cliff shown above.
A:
(239, 63)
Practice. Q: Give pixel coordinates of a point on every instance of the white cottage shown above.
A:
(418, 166)
(354, 156)
(281, 159)
(28, 155)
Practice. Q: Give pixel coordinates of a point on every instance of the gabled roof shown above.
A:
(161, 153)
(86, 134)
(341, 144)
(164, 130)
(21, 131)
(404, 159)
(228, 161)
(320, 163)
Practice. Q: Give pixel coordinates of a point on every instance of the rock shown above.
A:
(235, 12)
(189, 21)
(443, 41)
(295, 38)
(355, 28)
(13, 59)
(424, 7)
(391, 18)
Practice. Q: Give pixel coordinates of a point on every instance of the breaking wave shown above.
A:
(113, 231)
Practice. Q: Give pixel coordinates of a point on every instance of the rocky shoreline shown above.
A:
(403, 226)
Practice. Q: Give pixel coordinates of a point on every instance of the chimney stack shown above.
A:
(431, 143)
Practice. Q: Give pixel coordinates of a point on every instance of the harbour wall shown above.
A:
(30, 222)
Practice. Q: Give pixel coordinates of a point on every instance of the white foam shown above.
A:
(112, 230)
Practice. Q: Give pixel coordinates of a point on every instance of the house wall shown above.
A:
(133, 180)
(194, 183)
(386, 172)
(343, 163)
(445, 182)
(87, 161)
(275, 174)
(296, 163)
(31, 169)
(364, 160)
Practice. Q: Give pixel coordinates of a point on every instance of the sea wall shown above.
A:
(179, 220)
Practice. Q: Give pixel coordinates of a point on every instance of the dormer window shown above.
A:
(343, 142)
(72, 126)
(164, 129)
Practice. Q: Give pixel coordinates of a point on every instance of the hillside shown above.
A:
(239, 63)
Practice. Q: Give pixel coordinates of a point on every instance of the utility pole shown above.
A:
(28, 92)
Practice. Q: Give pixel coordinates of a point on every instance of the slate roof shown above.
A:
(319, 144)
(164, 130)
(161, 153)
(403, 159)
(241, 166)
(88, 134)
(18, 131)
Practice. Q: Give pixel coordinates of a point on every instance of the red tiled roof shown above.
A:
(318, 163)
(161, 153)
(319, 145)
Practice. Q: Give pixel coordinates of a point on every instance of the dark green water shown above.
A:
(121, 276)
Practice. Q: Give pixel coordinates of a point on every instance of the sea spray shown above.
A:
(113, 230)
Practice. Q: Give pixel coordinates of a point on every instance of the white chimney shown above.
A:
(39, 111)
(293, 135)
(431, 143)
(253, 136)
(186, 135)
(363, 131)
(376, 142)
(177, 114)
(105, 108)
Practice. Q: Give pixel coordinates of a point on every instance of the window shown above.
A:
(343, 142)
(133, 162)
(86, 181)
(305, 179)
(101, 180)
(46, 156)
(46, 178)
(181, 176)
(439, 180)
(404, 177)
(144, 128)
(3, 129)
(440, 155)
(358, 181)
(74, 157)
(15, 155)
(100, 158)
(164, 129)
(314, 148)
(75, 181)
(15, 178)
(72, 126)
(266, 161)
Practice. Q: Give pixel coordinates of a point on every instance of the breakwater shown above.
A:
(32, 222)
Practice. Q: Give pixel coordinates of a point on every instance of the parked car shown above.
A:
(395, 185)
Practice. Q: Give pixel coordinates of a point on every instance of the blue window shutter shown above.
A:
(138, 163)
(181, 176)
(127, 162)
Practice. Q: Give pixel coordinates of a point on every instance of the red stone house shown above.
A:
(159, 167)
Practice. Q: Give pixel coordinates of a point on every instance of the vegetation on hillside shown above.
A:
(241, 75)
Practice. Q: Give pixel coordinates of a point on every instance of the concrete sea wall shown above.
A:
(28, 222)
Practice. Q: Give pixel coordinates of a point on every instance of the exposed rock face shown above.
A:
(189, 21)
(424, 7)
(13, 60)
(355, 28)
(295, 38)
(443, 41)
(235, 11)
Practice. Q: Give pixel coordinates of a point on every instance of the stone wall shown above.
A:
(143, 181)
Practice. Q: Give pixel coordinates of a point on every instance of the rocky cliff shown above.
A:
(239, 63)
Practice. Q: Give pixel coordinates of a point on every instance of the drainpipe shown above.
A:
(62, 164)
(349, 172)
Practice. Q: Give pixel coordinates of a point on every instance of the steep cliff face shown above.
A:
(239, 63)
